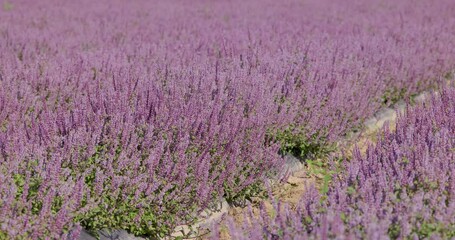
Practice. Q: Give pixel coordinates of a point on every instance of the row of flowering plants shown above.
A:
(403, 187)
(139, 115)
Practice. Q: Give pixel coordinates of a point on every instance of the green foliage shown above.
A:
(312, 149)
(324, 172)
(118, 213)
(241, 198)
(393, 95)
(428, 228)
(3, 235)
(294, 140)
(394, 231)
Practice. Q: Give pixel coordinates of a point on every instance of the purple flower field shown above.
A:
(403, 187)
(138, 115)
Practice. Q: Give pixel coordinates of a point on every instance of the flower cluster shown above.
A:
(140, 114)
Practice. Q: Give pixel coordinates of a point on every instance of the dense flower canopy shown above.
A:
(403, 187)
(140, 114)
